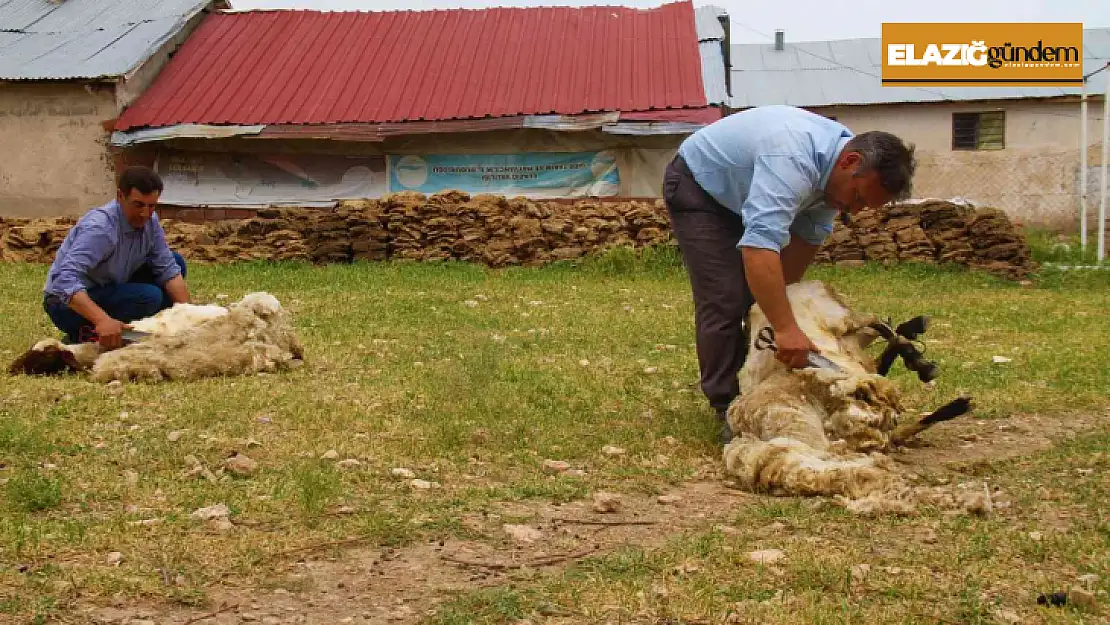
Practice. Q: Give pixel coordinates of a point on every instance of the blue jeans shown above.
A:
(137, 298)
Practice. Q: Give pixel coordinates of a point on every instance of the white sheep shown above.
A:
(186, 342)
(820, 432)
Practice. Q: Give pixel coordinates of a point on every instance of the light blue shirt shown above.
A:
(770, 165)
(102, 249)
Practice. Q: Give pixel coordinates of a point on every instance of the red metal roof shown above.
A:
(312, 67)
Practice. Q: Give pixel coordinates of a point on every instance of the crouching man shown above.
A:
(115, 266)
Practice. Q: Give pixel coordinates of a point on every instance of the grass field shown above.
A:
(471, 379)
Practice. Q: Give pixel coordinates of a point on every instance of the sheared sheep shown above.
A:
(820, 432)
(186, 342)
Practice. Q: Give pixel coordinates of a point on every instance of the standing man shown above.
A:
(114, 266)
(751, 198)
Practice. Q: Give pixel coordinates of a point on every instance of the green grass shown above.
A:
(472, 378)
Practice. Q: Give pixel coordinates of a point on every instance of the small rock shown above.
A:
(192, 461)
(175, 436)
(131, 477)
(606, 503)
(1035, 536)
(330, 454)
(668, 500)
(1088, 580)
(555, 466)
(1083, 599)
(651, 370)
(403, 473)
(1006, 617)
(584, 362)
(218, 511)
(574, 473)
(349, 463)
(114, 558)
(248, 617)
(422, 484)
(998, 360)
(241, 465)
(612, 450)
(766, 556)
(470, 303)
(522, 533)
(222, 525)
(140, 621)
(861, 571)
(253, 443)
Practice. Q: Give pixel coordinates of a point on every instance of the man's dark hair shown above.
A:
(138, 177)
(888, 155)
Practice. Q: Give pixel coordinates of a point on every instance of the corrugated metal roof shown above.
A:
(848, 71)
(85, 38)
(710, 45)
(707, 24)
(310, 67)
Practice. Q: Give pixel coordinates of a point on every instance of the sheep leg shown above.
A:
(947, 412)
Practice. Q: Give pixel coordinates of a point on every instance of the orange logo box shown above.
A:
(982, 55)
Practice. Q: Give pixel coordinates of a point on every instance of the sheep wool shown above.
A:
(186, 342)
(818, 432)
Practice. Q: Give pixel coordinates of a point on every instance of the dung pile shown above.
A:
(904, 225)
(945, 224)
(498, 232)
(875, 239)
(32, 240)
(998, 247)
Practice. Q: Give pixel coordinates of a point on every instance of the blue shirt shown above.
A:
(770, 165)
(103, 249)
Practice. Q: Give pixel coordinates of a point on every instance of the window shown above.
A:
(979, 131)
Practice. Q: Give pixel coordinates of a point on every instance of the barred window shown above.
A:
(979, 131)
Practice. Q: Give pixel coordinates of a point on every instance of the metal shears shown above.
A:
(766, 340)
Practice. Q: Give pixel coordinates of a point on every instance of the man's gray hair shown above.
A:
(888, 155)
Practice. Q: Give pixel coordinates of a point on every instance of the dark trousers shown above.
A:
(137, 298)
(707, 235)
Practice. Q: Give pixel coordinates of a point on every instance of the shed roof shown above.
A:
(311, 67)
(848, 72)
(85, 39)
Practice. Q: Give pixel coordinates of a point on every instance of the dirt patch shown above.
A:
(519, 542)
(967, 443)
(400, 586)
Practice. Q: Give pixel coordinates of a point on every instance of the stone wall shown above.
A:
(498, 232)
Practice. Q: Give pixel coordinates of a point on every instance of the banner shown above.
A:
(982, 55)
(536, 175)
(226, 179)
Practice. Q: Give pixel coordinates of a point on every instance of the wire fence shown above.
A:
(1033, 186)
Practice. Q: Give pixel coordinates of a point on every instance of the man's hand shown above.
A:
(109, 332)
(793, 347)
(764, 272)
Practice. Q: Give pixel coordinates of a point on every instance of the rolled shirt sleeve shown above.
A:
(814, 225)
(780, 185)
(160, 257)
(92, 243)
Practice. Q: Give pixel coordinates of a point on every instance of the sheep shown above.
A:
(186, 342)
(820, 432)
